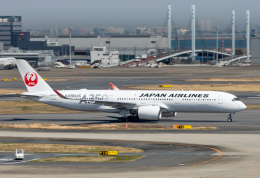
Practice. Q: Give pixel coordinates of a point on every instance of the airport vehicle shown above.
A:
(59, 65)
(44, 68)
(7, 63)
(154, 65)
(133, 65)
(131, 104)
(71, 67)
(19, 154)
(140, 57)
(96, 66)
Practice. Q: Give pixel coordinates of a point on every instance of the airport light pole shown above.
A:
(70, 44)
(216, 27)
(103, 29)
(178, 29)
(135, 49)
(146, 48)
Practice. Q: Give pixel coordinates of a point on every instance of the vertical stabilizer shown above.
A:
(32, 80)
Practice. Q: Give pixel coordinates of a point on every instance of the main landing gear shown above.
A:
(230, 117)
(130, 118)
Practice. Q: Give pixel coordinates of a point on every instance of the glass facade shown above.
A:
(8, 25)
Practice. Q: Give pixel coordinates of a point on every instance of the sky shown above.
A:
(128, 14)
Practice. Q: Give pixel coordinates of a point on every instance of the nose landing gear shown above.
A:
(230, 117)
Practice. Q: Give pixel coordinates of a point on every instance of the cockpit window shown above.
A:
(235, 99)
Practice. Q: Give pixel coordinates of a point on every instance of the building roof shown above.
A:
(107, 36)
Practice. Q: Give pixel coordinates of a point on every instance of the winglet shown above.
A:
(113, 86)
(59, 94)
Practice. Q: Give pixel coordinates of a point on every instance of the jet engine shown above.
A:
(169, 114)
(150, 112)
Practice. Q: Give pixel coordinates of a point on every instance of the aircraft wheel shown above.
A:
(120, 119)
(229, 120)
(136, 119)
(127, 119)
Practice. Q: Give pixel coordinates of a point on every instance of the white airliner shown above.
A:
(131, 104)
(7, 63)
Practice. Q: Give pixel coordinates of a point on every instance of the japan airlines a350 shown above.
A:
(132, 105)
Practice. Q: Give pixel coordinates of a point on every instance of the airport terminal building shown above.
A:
(9, 25)
(125, 44)
(255, 51)
(113, 41)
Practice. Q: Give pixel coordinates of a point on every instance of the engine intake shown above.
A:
(150, 112)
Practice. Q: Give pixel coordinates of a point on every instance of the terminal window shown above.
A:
(153, 41)
(98, 49)
(108, 42)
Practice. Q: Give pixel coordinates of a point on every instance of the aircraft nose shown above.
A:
(242, 106)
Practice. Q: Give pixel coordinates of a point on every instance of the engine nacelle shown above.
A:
(150, 112)
(169, 114)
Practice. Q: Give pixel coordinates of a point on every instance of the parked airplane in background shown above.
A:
(131, 104)
(7, 63)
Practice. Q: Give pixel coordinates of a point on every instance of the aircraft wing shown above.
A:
(128, 105)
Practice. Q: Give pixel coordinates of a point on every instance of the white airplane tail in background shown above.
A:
(33, 81)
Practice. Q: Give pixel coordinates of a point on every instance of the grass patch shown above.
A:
(204, 128)
(252, 106)
(62, 148)
(26, 108)
(12, 91)
(130, 126)
(48, 79)
(204, 87)
(91, 159)
(31, 107)
(226, 80)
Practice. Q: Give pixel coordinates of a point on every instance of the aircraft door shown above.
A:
(177, 100)
(59, 99)
(220, 99)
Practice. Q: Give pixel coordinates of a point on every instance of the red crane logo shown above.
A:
(31, 79)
